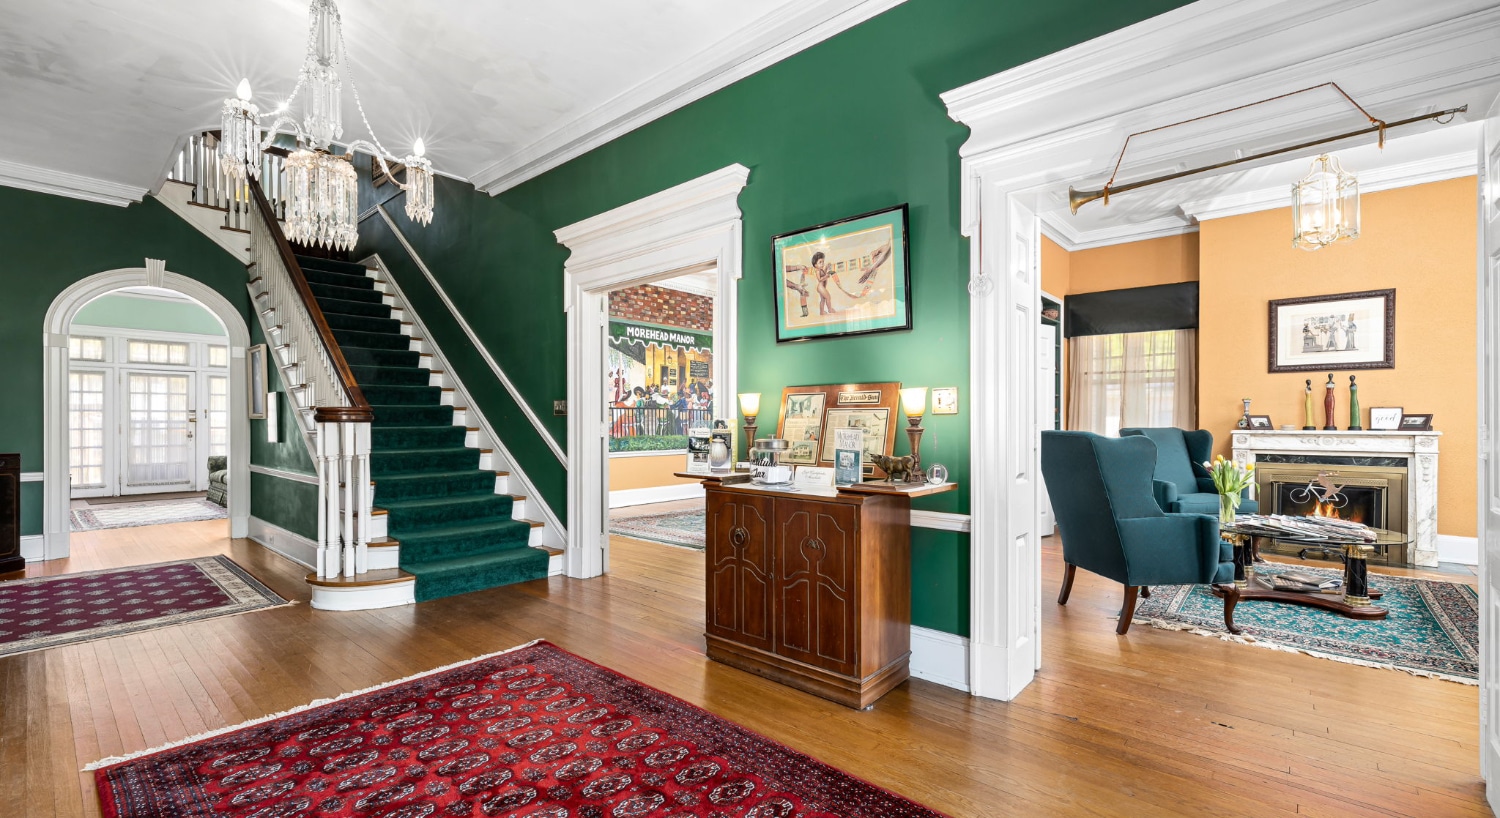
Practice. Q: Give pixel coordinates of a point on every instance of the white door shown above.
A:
(89, 471)
(1046, 413)
(161, 451)
(1489, 463)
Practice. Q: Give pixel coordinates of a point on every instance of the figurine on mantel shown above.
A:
(1307, 415)
(1328, 424)
(1245, 418)
(1354, 406)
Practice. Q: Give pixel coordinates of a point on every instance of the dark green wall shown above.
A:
(851, 125)
(50, 242)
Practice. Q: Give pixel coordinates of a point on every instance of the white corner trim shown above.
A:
(515, 394)
(1462, 550)
(940, 520)
(1055, 226)
(293, 546)
(283, 474)
(1435, 169)
(655, 494)
(33, 547)
(73, 186)
(781, 34)
(32, 476)
(940, 658)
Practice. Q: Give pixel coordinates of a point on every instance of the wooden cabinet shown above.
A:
(812, 591)
(10, 514)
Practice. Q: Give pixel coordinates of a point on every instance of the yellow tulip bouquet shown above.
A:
(1231, 479)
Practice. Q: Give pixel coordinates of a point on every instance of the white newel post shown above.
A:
(346, 458)
(365, 492)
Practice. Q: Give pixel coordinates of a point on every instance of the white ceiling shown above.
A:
(103, 89)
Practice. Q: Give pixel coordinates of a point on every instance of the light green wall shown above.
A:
(849, 126)
(132, 312)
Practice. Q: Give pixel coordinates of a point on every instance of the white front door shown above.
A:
(1046, 414)
(160, 445)
(1489, 454)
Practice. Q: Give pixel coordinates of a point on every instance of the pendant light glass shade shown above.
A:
(322, 200)
(323, 121)
(239, 136)
(1325, 206)
(418, 187)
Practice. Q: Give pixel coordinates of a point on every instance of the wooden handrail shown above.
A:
(358, 410)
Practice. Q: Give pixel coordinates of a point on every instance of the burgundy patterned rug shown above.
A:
(45, 612)
(534, 732)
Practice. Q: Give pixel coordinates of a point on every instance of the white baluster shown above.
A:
(326, 523)
(366, 493)
(346, 454)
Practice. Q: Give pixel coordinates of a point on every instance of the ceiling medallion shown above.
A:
(322, 190)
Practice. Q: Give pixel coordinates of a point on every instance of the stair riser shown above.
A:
(372, 340)
(331, 291)
(395, 438)
(418, 550)
(360, 356)
(403, 395)
(342, 307)
(360, 323)
(368, 376)
(408, 521)
(391, 489)
(358, 282)
(331, 266)
(412, 416)
(505, 574)
(402, 462)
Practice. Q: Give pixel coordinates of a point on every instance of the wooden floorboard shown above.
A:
(1153, 723)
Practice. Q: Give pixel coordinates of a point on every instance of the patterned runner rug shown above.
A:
(158, 512)
(1432, 628)
(534, 732)
(683, 528)
(46, 612)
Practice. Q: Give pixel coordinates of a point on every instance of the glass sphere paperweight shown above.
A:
(937, 474)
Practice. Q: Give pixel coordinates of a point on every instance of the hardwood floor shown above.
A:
(1154, 723)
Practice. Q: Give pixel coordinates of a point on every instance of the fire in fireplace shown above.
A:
(1370, 494)
(1360, 504)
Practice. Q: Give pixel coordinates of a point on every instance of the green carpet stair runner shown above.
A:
(456, 533)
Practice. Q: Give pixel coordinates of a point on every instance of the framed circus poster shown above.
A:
(849, 277)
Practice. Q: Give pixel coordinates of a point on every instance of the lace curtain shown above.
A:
(1133, 379)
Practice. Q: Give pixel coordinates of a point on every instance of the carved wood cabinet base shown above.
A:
(811, 591)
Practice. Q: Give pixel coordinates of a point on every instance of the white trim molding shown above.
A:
(940, 658)
(940, 520)
(58, 322)
(32, 476)
(682, 228)
(781, 34)
(289, 544)
(33, 547)
(71, 185)
(1055, 226)
(284, 474)
(1456, 549)
(515, 394)
(624, 498)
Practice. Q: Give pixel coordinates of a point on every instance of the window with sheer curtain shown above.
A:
(1132, 379)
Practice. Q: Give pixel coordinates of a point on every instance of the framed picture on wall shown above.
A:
(1324, 332)
(848, 277)
(811, 414)
(255, 361)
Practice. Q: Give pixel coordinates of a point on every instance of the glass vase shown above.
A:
(1228, 505)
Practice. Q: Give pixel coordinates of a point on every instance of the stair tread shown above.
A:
(472, 561)
(375, 576)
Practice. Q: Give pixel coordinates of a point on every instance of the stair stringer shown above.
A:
(178, 197)
(283, 369)
(551, 536)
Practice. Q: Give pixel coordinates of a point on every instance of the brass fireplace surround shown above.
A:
(1391, 480)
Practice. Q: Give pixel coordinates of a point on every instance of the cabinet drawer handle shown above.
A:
(738, 536)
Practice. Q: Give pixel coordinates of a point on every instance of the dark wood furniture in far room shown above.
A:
(812, 589)
(10, 514)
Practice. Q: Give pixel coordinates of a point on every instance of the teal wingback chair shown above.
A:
(1182, 484)
(1111, 524)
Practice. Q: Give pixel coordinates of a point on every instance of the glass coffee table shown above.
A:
(1353, 600)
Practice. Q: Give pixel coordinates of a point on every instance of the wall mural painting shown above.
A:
(847, 277)
(659, 384)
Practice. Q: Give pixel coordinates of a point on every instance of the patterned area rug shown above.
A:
(534, 732)
(46, 612)
(159, 512)
(683, 528)
(1432, 629)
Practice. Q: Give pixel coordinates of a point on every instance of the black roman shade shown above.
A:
(1137, 309)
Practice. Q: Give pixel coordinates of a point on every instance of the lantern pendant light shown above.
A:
(1325, 206)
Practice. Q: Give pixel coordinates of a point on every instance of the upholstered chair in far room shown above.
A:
(1182, 484)
(218, 479)
(1110, 522)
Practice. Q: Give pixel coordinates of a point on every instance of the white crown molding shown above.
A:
(73, 186)
(1436, 169)
(1055, 226)
(767, 41)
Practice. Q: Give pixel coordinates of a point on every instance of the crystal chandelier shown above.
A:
(1325, 206)
(322, 201)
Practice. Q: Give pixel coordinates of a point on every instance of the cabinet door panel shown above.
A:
(739, 569)
(816, 606)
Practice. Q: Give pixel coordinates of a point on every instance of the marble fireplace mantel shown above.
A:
(1418, 449)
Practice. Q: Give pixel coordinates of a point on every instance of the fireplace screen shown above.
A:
(1360, 504)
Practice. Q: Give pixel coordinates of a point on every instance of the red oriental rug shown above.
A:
(533, 732)
(45, 612)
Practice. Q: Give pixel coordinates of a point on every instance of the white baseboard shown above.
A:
(1462, 550)
(941, 658)
(655, 494)
(294, 547)
(33, 547)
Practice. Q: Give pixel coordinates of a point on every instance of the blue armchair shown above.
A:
(1182, 484)
(1107, 514)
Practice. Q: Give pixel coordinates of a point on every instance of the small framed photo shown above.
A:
(1416, 423)
(255, 362)
(1385, 418)
(1261, 422)
(945, 400)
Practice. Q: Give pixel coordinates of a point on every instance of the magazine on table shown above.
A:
(1303, 582)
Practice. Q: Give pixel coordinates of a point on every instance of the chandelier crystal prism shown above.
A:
(1325, 205)
(322, 187)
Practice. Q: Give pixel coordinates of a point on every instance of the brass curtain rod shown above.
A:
(1079, 198)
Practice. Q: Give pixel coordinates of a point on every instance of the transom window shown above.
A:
(84, 348)
(157, 352)
(218, 355)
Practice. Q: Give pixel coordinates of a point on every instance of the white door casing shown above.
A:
(688, 226)
(1046, 402)
(1489, 453)
(55, 328)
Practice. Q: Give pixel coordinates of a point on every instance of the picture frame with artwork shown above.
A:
(255, 363)
(1385, 418)
(1416, 423)
(1326, 332)
(1260, 423)
(845, 277)
(810, 414)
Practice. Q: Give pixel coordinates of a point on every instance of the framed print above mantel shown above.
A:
(1331, 332)
(848, 277)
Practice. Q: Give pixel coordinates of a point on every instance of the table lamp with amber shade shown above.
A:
(749, 407)
(914, 402)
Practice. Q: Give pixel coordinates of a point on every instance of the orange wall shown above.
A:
(1055, 262)
(1419, 240)
(1167, 260)
(646, 471)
